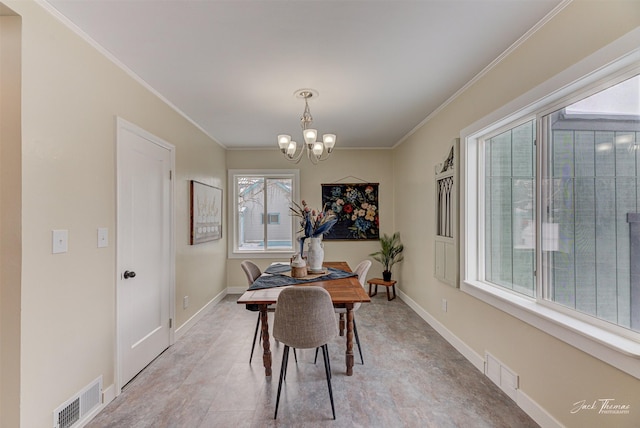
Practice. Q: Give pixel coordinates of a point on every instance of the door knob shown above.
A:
(129, 274)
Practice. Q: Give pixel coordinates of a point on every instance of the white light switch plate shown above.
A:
(103, 237)
(60, 241)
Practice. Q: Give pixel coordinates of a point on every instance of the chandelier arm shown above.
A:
(312, 157)
(324, 156)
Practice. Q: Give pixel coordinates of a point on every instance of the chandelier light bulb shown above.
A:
(283, 142)
(310, 136)
(317, 149)
(329, 141)
(291, 149)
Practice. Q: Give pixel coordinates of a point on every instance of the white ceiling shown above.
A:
(232, 67)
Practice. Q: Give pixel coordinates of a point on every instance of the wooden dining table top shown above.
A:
(342, 290)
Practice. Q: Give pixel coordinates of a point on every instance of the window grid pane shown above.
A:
(279, 233)
(509, 209)
(592, 185)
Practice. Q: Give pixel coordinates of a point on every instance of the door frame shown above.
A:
(121, 126)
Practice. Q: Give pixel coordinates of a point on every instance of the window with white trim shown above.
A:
(590, 196)
(550, 191)
(258, 195)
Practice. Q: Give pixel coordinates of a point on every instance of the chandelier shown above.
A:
(316, 150)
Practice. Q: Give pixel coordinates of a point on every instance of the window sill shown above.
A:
(613, 349)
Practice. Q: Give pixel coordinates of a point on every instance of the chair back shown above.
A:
(251, 270)
(304, 317)
(361, 270)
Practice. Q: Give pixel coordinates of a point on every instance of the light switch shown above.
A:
(103, 237)
(60, 242)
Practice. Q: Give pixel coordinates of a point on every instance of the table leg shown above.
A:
(349, 353)
(375, 292)
(341, 324)
(266, 356)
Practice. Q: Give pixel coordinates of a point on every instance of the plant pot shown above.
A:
(386, 275)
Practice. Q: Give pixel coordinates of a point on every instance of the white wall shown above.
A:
(71, 96)
(552, 374)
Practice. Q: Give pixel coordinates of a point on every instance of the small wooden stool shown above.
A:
(380, 281)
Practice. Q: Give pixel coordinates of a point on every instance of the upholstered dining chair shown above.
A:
(304, 319)
(252, 272)
(362, 269)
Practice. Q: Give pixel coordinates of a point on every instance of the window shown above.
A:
(590, 187)
(260, 195)
(591, 193)
(551, 221)
(509, 208)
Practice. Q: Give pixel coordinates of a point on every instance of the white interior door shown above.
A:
(145, 262)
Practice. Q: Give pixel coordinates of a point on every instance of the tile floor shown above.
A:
(411, 377)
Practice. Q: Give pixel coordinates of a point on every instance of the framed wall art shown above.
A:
(206, 213)
(356, 208)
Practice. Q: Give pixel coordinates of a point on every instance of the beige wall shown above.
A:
(552, 373)
(344, 166)
(72, 95)
(10, 220)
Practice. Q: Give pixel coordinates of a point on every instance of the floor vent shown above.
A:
(502, 376)
(74, 410)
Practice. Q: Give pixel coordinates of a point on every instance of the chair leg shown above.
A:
(295, 355)
(355, 331)
(255, 334)
(327, 369)
(315, 360)
(283, 371)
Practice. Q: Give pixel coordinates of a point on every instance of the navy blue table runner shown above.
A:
(277, 279)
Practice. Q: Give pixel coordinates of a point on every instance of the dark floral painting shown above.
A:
(356, 208)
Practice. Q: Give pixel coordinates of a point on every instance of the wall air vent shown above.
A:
(77, 409)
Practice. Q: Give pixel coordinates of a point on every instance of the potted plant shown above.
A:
(389, 254)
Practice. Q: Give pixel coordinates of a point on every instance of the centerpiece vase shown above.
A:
(315, 255)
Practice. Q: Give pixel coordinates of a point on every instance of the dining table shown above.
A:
(344, 291)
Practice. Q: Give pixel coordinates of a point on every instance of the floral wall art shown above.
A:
(356, 209)
(206, 213)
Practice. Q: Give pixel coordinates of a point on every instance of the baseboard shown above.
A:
(108, 395)
(460, 346)
(537, 413)
(180, 331)
(529, 406)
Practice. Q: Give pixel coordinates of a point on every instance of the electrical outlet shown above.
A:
(444, 305)
(185, 302)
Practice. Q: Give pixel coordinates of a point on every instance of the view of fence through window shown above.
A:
(592, 192)
(510, 209)
(589, 236)
(260, 198)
